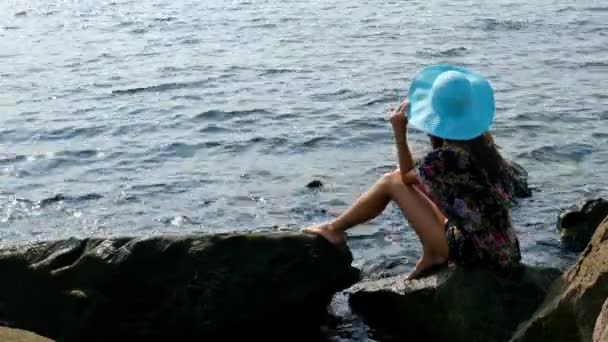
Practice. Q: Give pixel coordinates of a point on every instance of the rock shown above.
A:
(15, 335)
(519, 180)
(206, 287)
(455, 304)
(570, 311)
(576, 225)
(600, 332)
(314, 184)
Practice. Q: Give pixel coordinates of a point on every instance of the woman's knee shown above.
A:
(390, 179)
(393, 184)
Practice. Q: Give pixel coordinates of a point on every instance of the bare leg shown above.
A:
(422, 214)
(427, 221)
(367, 207)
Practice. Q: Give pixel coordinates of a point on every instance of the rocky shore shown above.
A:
(206, 288)
(278, 287)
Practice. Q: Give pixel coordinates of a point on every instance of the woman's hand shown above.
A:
(398, 118)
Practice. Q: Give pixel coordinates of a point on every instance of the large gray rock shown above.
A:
(600, 332)
(456, 304)
(571, 309)
(577, 224)
(207, 288)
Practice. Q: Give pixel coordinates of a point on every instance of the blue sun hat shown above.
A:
(450, 102)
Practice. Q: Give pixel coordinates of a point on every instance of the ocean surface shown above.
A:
(145, 117)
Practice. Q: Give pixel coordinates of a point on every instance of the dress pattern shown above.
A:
(479, 229)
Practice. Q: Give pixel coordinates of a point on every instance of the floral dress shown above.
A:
(478, 229)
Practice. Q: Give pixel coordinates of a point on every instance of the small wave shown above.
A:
(220, 115)
(139, 31)
(269, 142)
(89, 197)
(262, 26)
(12, 159)
(71, 132)
(385, 35)
(78, 154)
(61, 197)
(580, 22)
(597, 9)
(490, 24)
(155, 186)
(289, 19)
(594, 64)
(214, 129)
(386, 98)
(340, 94)
(365, 123)
(451, 52)
(187, 97)
(124, 24)
(45, 202)
(190, 41)
(574, 65)
(381, 169)
(165, 19)
(21, 14)
(269, 145)
(181, 150)
(273, 71)
(51, 200)
(566, 9)
(162, 87)
(316, 141)
(573, 152)
(179, 220)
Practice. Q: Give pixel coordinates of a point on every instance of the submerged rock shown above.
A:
(204, 287)
(577, 224)
(456, 304)
(571, 309)
(314, 184)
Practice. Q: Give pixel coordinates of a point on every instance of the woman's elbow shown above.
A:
(410, 178)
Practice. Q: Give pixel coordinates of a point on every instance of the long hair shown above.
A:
(482, 149)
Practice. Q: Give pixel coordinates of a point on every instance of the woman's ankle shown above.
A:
(337, 226)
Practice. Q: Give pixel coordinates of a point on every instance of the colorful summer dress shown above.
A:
(478, 230)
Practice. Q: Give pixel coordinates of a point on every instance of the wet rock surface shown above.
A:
(201, 286)
(577, 224)
(455, 304)
(571, 310)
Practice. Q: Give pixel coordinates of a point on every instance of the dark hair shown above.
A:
(436, 142)
(482, 149)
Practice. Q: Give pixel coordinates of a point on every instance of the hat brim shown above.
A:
(466, 125)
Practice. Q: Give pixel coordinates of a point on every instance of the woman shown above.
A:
(454, 198)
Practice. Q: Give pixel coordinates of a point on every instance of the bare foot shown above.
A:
(327, 231)
(426, 264)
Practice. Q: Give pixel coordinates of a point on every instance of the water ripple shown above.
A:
(163, 87)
